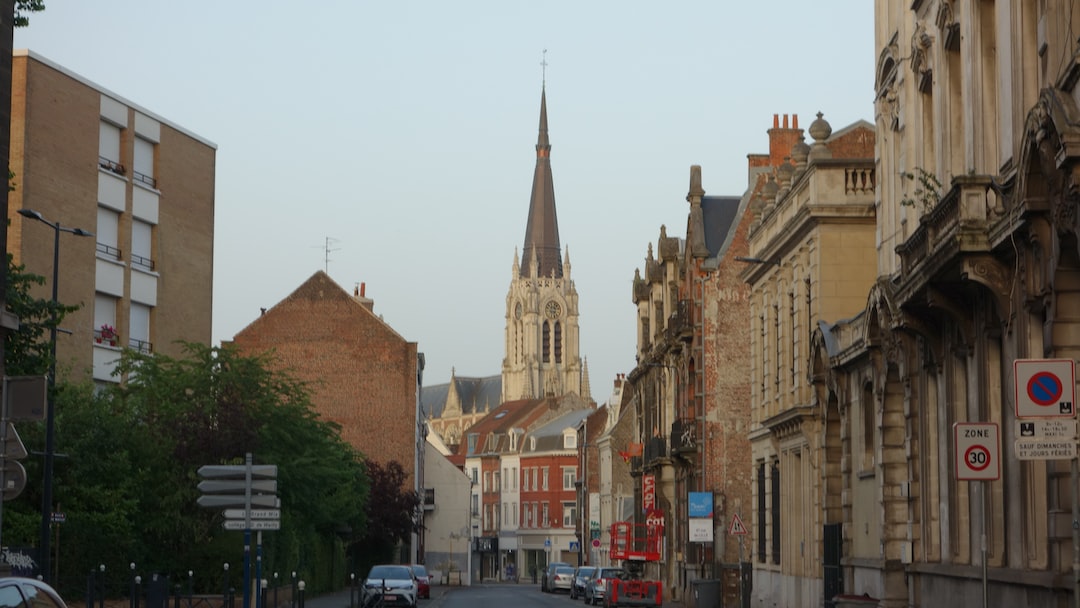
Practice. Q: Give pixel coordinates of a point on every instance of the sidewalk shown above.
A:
(341, 599)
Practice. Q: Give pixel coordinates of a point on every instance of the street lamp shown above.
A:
(50, 406)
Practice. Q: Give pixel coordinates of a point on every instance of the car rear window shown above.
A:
(419, 571)
(609, 573)
(564, 570)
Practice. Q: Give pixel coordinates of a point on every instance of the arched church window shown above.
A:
(547, 342)
(558, 342)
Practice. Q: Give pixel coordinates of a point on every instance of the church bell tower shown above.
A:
(542, 342)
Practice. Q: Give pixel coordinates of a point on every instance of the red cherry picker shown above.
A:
(635, 544)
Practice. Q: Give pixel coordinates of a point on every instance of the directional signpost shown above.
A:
(238, 488)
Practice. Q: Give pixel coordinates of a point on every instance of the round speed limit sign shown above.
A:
(978, 450)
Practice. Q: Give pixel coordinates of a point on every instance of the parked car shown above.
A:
(423, 581)
(562, 579)
(19, 591)
(595, 590)
(390, 585)
(582, 576)
(549, 571)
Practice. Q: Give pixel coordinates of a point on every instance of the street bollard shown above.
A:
(131, 593)
(101, 587)
(294, 590)
(263, 584)
(300, 587)
(276, 585)
(352, 590)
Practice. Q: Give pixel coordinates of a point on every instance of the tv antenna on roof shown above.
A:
(326, 253)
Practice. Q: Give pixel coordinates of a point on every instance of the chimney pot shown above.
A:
(785, 121)
(363, 288)
(775, 121)
(794, 121)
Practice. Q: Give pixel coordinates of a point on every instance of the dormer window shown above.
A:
(472, 439)
(532, 444)
(570, 441)
(513, 441)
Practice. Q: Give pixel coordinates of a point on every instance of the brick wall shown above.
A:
(361, 373)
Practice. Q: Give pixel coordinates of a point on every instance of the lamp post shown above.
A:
(50, 406)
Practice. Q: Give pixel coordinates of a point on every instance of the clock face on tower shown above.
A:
(517, 310)
(553, 310)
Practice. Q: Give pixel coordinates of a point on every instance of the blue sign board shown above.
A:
(575, 545)
(700, 504)
(547, 542)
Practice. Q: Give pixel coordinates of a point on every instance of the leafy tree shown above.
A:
(23, 8)
(392, 515)
(27, 349)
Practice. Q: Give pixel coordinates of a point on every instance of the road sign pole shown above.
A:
(982, 516)
(1076, 532)
(247, 531)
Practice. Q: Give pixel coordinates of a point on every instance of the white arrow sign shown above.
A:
(256, 524)
(237, 471)
(254, 514)
(213, 501)
(237, 486)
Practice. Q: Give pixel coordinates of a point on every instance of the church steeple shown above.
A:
(542, 229)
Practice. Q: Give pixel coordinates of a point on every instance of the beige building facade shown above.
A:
(811, 259)
(87, 158)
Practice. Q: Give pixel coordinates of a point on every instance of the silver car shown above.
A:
(562, 579)
(597, 587)
(390, 585)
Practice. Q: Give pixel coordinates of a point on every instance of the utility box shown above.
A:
(706, 593)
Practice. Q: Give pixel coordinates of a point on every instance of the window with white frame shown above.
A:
(496, 485)
(108, 231)
(528, 515)
(569, 514)
(535, 476)
(144, 162)
(109, 148)
(139, 328)
(544, 521)
(487, 480)
(475, 505)
(475, 475)
(505, 480)
(570, 441)
(569, 476)
(514, 509)
(545, 478)
(513, 472)
(105, 319)
(506, 512)
(141, 245)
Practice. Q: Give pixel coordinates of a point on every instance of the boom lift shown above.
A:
(635, 544)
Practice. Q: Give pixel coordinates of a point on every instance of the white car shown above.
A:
(394, 585)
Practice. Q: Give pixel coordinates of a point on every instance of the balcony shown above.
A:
(655, 449)
(684, 436)
(680, 324)
(429, 499)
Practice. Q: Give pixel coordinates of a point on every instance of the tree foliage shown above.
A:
(392, 514)
(127, 483)
(27, 349)
(23, 8)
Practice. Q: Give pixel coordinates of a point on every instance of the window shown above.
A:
(144, 162)
(496, 483)
(775, 472)
(558, 342)
(109, 148)
(514, 509)
(570, 441)
(105, 319)
(108, 222)
(545, 485)
(472, 439)
(139, 328)
(569, 514)
(475, 505)
(544, 520)
(528, 515)
(506, 479)
(761, 511)
(487, 480)
(514, 482)
(534, 476)
(569, 476)
(141, 253)
(868, 413)
(475, 475)
(547, 342)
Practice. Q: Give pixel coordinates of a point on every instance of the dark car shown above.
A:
(595, 590)
(549, 573)
(423, 581)
(18, 591)
(582, 576)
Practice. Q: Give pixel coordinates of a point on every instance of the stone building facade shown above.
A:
(811, 259)
(976, 109)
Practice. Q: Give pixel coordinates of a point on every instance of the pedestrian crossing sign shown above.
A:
(737, 528)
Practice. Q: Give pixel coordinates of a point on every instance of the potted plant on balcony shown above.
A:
(107, 335)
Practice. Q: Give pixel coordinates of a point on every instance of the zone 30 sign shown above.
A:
(978, 451)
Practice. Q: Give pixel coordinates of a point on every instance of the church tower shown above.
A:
(542, 343)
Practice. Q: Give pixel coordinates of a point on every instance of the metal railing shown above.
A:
(142, 262)
(144, 179)
(108, 250)
(111, 165)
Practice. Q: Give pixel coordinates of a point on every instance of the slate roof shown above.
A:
(549, 436)
(720, 216)
(542, 229)
(476, 395)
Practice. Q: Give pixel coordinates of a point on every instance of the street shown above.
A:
(498, 595)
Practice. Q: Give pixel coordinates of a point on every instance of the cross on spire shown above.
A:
(543, 69)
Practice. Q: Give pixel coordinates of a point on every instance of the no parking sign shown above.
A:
(1045, 388)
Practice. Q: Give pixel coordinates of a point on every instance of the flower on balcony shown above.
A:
(106, 334)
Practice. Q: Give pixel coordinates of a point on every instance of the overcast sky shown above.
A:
(391, 143)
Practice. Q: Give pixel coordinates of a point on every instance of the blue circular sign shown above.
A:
(1044, 388)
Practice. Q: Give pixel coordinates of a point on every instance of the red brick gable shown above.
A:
(362, 374)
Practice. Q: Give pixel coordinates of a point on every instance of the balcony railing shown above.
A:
(108, 251)
(142, 262)
(143, 346)
(680, 323)
(684, 436)
(144, 179)
(655, 449)
(111, 165)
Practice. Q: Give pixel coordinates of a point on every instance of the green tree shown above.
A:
(392, 517)
(27, 349)
(23, 8)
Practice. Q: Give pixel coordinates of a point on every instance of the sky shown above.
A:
(392, 143)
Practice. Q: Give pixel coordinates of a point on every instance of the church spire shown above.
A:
(542, 229)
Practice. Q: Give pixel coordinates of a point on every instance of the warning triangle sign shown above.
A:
(737, 528)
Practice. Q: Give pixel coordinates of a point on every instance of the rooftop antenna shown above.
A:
(543, 69)
(326, 253)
